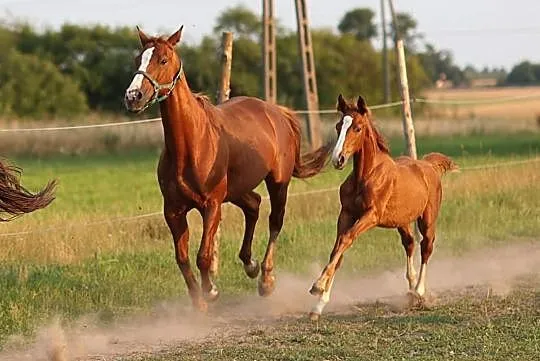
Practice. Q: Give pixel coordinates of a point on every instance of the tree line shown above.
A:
(77, 69)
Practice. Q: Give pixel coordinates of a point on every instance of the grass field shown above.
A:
(66, 268)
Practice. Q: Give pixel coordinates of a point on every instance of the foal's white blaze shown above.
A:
(347, 122)
(138, 79)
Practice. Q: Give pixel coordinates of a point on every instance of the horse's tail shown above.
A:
(15, 199)
(308, 164)
(441, 163)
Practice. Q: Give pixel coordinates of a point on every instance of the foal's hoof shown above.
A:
(212, 295)
(266, 287)
(414, 299)
(316, 290)
(252, 269)
(313, 316)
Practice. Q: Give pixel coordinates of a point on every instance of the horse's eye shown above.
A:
(163, 61)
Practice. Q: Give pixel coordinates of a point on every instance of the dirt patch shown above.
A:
(170, 324)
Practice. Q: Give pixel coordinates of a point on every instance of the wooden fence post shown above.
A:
(408, 126)
(223, 95)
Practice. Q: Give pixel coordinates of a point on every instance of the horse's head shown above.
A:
(159, 68)
(351, 130)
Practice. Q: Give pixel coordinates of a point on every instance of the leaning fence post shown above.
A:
(222, 96)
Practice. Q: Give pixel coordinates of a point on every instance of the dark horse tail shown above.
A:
(441, 163)
(15, 199)
(308, 164)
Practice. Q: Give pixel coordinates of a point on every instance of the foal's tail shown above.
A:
(15, 199)
(441, 163)
(308, 164)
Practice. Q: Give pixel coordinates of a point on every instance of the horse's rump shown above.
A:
(441, 162)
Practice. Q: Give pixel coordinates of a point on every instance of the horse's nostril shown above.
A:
(138, 95)
(341, 160)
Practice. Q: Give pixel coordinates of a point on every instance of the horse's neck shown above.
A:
(185, 124)
(366, 158)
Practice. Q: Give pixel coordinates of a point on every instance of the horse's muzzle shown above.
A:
(339, 161)
(134, 100)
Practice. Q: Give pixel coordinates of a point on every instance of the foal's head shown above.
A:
(351, 129)
(159, 68)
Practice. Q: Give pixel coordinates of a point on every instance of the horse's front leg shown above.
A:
(211, 215)
(343, 242)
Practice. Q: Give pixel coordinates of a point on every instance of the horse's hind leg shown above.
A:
(426, 224)
(407, 240)
(278, 200)
(249, 203)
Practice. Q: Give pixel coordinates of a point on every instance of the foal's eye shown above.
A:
(163, 61)
(357, 129)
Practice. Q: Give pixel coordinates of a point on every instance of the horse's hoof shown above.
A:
(313, 316)
(212, 295)
(266, 287)
(252, 269)
(200, 305)
(316, 290)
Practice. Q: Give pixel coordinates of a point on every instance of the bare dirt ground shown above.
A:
(170, 324)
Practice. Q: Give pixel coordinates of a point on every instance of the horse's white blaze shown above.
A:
(347, 122)
(145, 61)
(421, 286)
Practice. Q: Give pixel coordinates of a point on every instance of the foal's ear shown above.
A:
(175, 38)
(342, 104)
(361, 105)
(143, 37)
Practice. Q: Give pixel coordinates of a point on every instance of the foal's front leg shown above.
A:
(211, 215)
(344, 241)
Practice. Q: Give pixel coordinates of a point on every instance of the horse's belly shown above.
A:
(245, 176)
(405, 206)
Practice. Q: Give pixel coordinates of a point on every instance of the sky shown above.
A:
(478, 32)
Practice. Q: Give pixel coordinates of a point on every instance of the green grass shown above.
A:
(472, 328)
(116, 268)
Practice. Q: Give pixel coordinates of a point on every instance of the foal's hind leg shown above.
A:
(426, 224)
(278, 200)
(249, 203)
(407, 240)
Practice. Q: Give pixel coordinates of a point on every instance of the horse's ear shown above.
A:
(361, 105)
(142, 36)
(341, 104)
(175, 38)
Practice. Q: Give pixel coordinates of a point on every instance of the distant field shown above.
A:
(518, 110)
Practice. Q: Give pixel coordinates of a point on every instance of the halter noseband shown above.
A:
(156, 98)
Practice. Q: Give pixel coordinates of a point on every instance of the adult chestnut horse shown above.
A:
(16, 200)
(215, 154)
(383, 192)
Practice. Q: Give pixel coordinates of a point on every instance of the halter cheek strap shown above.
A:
(156, 98)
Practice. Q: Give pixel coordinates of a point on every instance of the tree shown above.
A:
(241, 21)
(33, 87)
(435, 62)
(359, 22)
(407, 29)
(523, 74)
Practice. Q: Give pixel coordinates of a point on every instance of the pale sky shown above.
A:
(478, 32)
